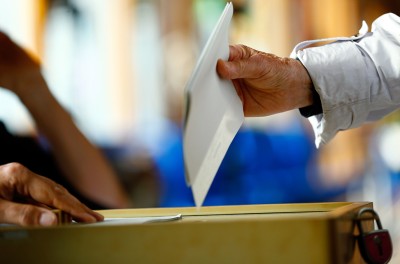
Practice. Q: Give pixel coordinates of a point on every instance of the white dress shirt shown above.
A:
(357, 78)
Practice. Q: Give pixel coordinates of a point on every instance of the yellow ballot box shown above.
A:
(274, 233)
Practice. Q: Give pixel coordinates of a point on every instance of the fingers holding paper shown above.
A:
(26, 199)
(266, 84)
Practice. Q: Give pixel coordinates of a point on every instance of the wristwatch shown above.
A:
(315, 108)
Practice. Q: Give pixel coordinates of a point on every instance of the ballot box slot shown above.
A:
(254, 213)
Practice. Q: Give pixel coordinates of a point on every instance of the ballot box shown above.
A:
(274, 233)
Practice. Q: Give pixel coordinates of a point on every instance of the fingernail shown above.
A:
(99, 217)
(47, 219)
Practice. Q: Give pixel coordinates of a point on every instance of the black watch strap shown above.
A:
(315, 108)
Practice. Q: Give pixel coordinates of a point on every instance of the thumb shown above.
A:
(237, 69)
(26, 214)
(240, 64)
(224, 69)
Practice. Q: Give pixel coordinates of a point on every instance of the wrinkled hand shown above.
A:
(266, 84)
(26, 199)
(17, 68)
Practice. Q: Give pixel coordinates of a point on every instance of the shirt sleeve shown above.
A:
(357, 80)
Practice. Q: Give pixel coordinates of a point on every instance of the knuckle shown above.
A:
(59, 189)
(60, 194)
(12, 171)
(13, 168)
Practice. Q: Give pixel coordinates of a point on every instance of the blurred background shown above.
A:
(120, 68)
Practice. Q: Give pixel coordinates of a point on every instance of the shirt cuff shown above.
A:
(338, 73)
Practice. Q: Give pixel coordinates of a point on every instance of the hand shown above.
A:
(17, 68)
(26, 199)
(266, 84)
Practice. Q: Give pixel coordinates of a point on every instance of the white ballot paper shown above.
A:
(135, 220)
(214, 112)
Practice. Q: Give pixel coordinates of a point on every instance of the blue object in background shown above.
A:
(259, 167)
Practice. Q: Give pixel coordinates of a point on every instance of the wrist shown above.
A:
(27, 83)
(33, 91)
(41, 104)
(309, 100)
(303, 85)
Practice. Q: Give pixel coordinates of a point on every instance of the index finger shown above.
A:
(239, 52)
(16, 179)
(50, 193)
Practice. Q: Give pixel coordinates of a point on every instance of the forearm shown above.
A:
(83, 164)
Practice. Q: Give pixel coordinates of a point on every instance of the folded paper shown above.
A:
(214, 112)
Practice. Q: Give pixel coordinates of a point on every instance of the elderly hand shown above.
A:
(26, 199)
(266, 84)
